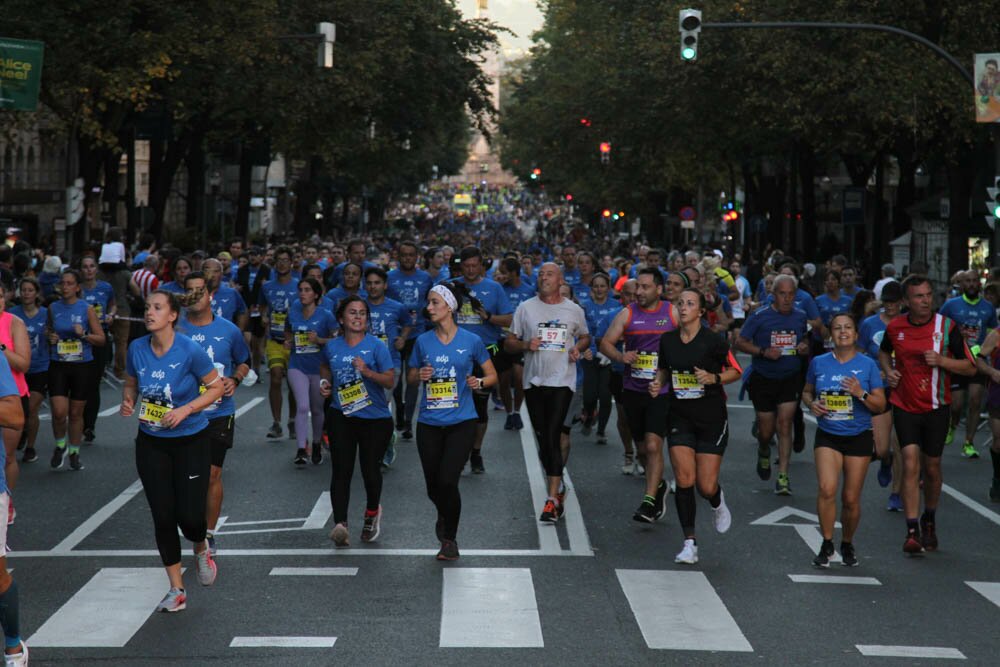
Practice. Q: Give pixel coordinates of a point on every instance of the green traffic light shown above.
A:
(996, 210)
(688, 53)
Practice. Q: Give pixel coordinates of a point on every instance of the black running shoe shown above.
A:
(30, 455)
(449, 550)
(88, 435)
(646, 513)
(826, 552)
(550, 513)
(476, 463)
(57, 457)
(300, 457)
(661, 499)
(764, 462)
(317, 453)
(274, 431)
(74, 461)
(928, 535)
(850, 559)
(407, 434)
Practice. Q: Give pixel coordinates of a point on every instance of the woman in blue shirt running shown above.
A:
(164, 375)
(843, 388)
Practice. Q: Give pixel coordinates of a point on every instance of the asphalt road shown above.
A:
(596, 589)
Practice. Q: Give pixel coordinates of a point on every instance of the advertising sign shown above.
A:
(20, 73)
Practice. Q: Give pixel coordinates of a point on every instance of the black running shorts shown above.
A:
(862, 444)
(220, 438)
(767, 393)
(645, 413)
(927, 430)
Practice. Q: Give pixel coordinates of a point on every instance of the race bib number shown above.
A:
(466, 315)
(353, 396)
(70, 350)
(151, 412)
(839, 405)
(382, 337)
(784, 341)
(971, 333)
(554, 337)
(686, 385)
(303, 345)
(442, 393)
(99, 311)
(644, 367)
(278, 322)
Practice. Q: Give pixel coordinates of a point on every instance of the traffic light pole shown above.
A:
(813, 25)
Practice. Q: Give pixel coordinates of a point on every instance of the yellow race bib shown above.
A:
(839, 405)
(686, 385)
(70, 350)
(151, 412)
(353, 396)
(442, 393)
(644, 367)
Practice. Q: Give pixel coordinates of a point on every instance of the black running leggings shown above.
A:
(597, 386)
(547, 407)
(443, 452)
(356, 438)
(101, 357)
(174, 474)
(406, 400)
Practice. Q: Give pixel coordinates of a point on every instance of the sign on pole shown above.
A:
(986, 72)
(20, 73)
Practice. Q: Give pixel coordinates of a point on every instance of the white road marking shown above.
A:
(810, 534)
(680, 611)
(283, 642)
(979, 509)
(107, 611)
(320, 513)
(489, 608)
(548, 539)
(313, 571)
(576, 530)
(249, 406)
(97, 518)
(831, 579)
(267, 553)
(874, 650)
(988, 589)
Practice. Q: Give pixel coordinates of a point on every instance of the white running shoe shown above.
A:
(206, 567)
(689, 554)
(175, 600)
(19, 659)
(722, 519)
(627, 465)
(638, 468)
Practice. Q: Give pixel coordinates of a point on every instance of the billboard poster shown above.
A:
(986, 73)
(20, 73)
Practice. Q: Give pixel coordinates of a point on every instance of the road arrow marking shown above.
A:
(809, 532)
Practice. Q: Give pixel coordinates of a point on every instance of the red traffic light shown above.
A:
(605, 147)
(606, 213)
(536, 171)
(569, 197)
(585, 122)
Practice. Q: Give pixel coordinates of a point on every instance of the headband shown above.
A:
(685, 279)
(446, 294)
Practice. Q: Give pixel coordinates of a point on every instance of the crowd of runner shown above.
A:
(414, 333)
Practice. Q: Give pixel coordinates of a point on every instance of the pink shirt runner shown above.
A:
(8, 340)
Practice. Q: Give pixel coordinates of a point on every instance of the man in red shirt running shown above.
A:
(919, 352)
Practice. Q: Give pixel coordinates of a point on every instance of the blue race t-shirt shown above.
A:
(769, 328)
(70, 348)
(520, 294)
(36, 336)
(278, 297)
(8, 387)
(305, 356)
(173, 286)
(494, 300)
(847, 415)
(446, 398)
(228, 304)
(331, 300)
(353, 394)
(870, 335)
(168, 382)
(582, 294)
(101, 296)
(410, 289)
(828, 307)
(975, 319)
(223, 342)
(599, 319)
(385, 321)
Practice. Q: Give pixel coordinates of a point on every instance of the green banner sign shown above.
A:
(20, 73)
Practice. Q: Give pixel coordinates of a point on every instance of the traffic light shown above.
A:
(74, 202)
(605, 149)
(569, 197)
(993, 203)
(690, 26)
(606, 213)
(536, 174)
(585, 122)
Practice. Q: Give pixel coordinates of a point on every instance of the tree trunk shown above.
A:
(195, 214)
(807, 179)
(243, 197)
(112, 187)
(164, 160)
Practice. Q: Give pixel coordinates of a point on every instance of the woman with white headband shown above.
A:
(445, 360)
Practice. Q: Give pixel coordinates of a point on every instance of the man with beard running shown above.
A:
(641, 325)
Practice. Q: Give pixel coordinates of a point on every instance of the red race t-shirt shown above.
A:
(923, 388)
